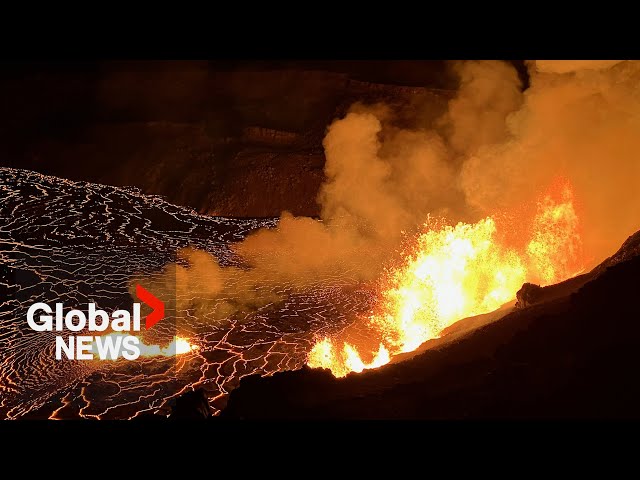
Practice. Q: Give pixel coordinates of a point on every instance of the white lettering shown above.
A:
(47, 320)
(59, 317)
(108, 346)
(62, 345)
(68, 320)
(131, 348)
(121, 321)
(83, 347)
(93, 314)
(136, 317)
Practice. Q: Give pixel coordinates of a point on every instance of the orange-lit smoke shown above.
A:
(488, 165)
(581, 124)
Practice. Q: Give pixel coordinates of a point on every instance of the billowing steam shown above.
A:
(583, 125)
(495, 148)
(566, 66)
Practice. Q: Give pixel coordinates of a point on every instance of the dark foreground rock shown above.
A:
(192, 405)
(572, 356)
(529, 294)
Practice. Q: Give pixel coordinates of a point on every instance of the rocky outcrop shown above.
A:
(192, 405)
(629, 249)
(529, 294)
(270, 136)
(357, 87)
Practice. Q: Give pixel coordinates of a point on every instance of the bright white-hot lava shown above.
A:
(457, 271)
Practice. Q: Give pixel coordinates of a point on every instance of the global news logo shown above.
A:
(42, 318)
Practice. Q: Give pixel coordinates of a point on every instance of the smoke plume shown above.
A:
(495, 148)
(582, 124)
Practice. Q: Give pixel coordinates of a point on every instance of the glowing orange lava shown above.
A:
(344, 361)
(454, 272)
(555, 250)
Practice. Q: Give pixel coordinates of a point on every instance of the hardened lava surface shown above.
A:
(78, 242)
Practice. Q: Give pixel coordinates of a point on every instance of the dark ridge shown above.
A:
(567, 357)
(192, 405)
(217, 136)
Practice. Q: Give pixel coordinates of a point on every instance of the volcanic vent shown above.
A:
(424, 220)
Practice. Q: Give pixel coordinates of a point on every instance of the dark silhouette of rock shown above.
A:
(192, 405)
(571, 356)
(529, 294)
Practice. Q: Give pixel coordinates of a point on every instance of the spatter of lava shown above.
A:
(454, 272)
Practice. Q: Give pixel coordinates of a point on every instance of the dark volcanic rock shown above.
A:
(263, 183)
(629, 249)
(192, 405)
(529, 294)
(570, 357)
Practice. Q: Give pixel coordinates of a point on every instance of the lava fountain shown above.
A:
(456, 271)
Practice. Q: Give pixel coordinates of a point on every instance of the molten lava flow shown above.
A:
(347, 360)
(178, 346)
(555, 250)
(454, 272)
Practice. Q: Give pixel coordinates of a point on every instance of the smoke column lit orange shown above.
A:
(454, 272)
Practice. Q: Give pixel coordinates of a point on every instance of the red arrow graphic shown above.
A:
(154, 302)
